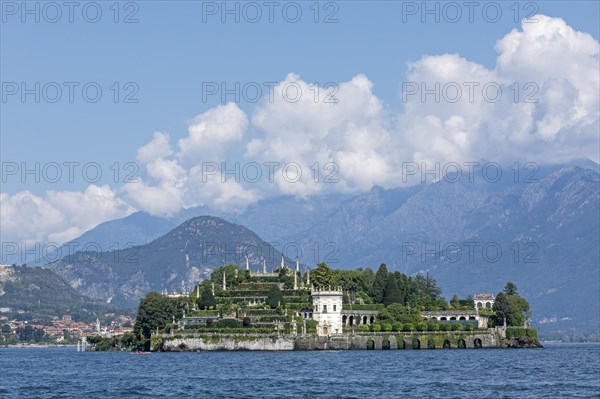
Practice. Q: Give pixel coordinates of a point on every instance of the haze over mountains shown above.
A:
(472, 236)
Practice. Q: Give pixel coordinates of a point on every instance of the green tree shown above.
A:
(233, 276)
(38, 335)
(510, 289)
(512, 308)
(94, 339)
(275, 297)
(455, 302)
(207, 299)
(518, 310)
(6, 329)
(128, 340)
(25, 334)
(379, 284)
(403, 314)
(501, 308)
(426, 289)
(322, 277)
(155, 312)
(392, 292)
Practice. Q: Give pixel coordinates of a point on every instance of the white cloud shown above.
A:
(548, 60)
(174, 180)
(548, 111)
(212, 134)
(60, 216)
(158, 147)
(314, 130)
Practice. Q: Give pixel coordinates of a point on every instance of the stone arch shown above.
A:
(479, 304)
(462, 318)
(477, 343)
(461, 344)
(372, 320)
(434, 318)
(453, 318)
(370, 344)
(351, 320)
(443, 318)
(344, 319)
(447, 344)
(488, 305)
(430, 344)
(416, 343)
(401, 344)
(364, 319)
(385, 344)
(472, 318)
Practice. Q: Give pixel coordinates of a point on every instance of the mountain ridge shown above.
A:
(558, 214)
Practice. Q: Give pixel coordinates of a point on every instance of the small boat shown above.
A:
(140, 353)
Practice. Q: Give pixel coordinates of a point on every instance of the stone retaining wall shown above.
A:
(362, 341)
(228, 343)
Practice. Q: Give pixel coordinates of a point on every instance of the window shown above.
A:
(324, 308)
(334, 308)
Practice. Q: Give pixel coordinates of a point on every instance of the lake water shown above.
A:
(557, 371)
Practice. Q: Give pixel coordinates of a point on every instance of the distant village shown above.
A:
(60, 329)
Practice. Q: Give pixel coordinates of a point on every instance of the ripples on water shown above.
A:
(557, 371)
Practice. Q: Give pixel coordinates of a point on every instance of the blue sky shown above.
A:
(170, 52)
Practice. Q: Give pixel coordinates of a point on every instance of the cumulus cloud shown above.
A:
(175, 180)
(343, 138)
(326, 130)
(548, 110)
(59, 216)
(212, 134)
(158, 147)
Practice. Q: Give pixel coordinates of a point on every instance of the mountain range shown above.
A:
(175, 261)
(541, 231)
(33, 293)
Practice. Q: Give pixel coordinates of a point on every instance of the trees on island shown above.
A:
(323, 277)
(155, 312)
(275, 298)
(397, 297)
(510, 307)
(379, 284)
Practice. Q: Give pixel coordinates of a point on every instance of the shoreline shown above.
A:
(24, 345)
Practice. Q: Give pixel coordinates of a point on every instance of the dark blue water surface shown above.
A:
(557, 371)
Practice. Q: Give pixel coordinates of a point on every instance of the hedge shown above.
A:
(521, 332)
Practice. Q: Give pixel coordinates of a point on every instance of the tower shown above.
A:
(264, 266)
(224, 286)
(282, 266)
(247, 264)
(327, 311)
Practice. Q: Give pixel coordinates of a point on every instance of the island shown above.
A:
(325, 309)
